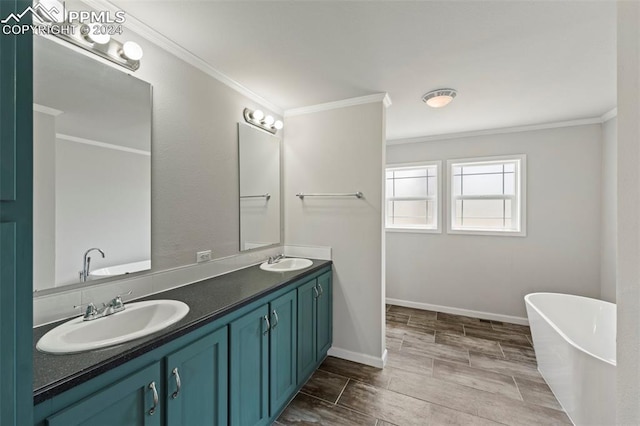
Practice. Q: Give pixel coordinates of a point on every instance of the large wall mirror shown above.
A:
(259, 154)
(92, 168)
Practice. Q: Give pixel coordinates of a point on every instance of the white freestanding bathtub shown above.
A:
(574, 339)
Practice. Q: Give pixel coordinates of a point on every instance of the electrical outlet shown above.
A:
(203, 256)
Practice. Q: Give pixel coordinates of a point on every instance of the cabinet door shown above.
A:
(196, 380)
(283, 350)
(128, 402)
(249, 362)
(306, 329)
(324, 315)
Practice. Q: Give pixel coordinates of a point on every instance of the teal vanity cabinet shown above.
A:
(263, 361)
(128, 402)
(186, 384)
(315, 332)
(283, 350)
(249, 384)
(240, 369)
(196, 378)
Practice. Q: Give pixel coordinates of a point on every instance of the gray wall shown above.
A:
(492, 274)
(609, 225)
(194, 163)
(341, 150)
(44, 200)
(628, 269)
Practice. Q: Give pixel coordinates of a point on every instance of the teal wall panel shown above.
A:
(16, 177)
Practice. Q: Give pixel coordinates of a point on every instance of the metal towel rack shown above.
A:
(267, 196)
(358, 194)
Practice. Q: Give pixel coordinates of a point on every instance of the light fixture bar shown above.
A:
(258, 119)
(126, 54)
(112, 50)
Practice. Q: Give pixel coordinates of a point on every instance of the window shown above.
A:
(412, 202)
(487, 195)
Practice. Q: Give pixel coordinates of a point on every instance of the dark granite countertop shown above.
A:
(208, 300)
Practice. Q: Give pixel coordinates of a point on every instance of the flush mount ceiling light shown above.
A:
(258, 119)
(439, 97)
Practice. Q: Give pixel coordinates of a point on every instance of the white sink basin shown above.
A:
(137, 320)
(286, 265)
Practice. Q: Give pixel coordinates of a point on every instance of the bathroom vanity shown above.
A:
(251, 339)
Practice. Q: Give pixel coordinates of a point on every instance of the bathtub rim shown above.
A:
(560, 332)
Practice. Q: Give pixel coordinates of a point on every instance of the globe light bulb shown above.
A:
(257, 115)
(132, 51)
(268, 120)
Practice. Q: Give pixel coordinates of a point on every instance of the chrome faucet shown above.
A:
(275, 259)
(86, 262)
(110, 308)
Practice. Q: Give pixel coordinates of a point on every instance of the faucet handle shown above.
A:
(117, 304)
(90, 313)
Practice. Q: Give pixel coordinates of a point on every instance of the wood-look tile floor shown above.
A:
(442, 369)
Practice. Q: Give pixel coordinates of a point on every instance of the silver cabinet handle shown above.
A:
(315, 290)
(175, 373)
(152, 410)
(277, 320)
(321, 290)
(266, 319)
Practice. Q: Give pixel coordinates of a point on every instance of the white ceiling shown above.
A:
(513, 63)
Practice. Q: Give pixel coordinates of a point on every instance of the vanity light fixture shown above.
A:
(91, 37)
(131, 51)
(439, 98)
(258, 119)
(257, 115)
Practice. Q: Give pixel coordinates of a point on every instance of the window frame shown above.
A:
(437, 198)
(520, 197)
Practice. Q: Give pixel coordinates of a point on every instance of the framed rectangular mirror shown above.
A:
(92, 168)
(259, 156)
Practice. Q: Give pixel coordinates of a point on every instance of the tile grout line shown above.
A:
(518, 388)
(341, 392)
(345, 407)
(502, 350)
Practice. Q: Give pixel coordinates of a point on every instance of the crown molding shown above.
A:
(145, 31)
(609, 115)
(46, 110)
(516, 129)
(99, 144)
(386, 100)
(377, 97)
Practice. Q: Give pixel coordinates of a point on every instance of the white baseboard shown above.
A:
(358, 357)
(459, 311)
